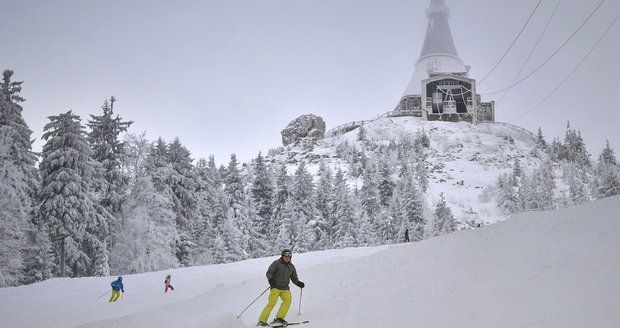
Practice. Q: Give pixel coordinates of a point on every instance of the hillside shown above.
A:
(538, 269)
(462, 159)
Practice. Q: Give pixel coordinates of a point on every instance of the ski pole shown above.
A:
(103, 294)
(261, 294)
(301, 293)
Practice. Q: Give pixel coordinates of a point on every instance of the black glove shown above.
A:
(301, 284)
(272, 282)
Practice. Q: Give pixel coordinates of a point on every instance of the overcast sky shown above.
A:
(228, 76)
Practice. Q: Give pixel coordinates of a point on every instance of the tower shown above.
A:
(438, 52)
(440, 88)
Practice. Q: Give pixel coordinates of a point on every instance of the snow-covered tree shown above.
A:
(342, 214)
(507, 198)
(19, 185)
(302, 195)
(280, 196)
(540, 140)
(236, 195)
(608, 174)
(444, 220)
(147, 239)
(323, 226)
(108, 150)
(77, 226)
(262, 195)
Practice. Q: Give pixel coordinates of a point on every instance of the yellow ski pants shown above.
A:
(285, 295)
(115, 295)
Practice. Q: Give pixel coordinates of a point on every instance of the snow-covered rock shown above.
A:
(305, 126)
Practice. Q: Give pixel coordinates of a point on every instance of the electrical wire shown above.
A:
(513, 42)
(552, 55)
(529, 56)
(571, 73)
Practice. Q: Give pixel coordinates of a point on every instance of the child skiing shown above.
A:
(117, 288)
(167, 283)
(279, 275)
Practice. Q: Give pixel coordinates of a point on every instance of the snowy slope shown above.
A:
(463, 158)
(538, 269)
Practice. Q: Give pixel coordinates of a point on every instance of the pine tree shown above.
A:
(235, 193)
(507, 199)
(444, 220)
(78, 228)
(302, 195)
(280, 196)
(108, 150)
(342, 214)
(411, 207)
(386, 184)
(19, 185)
(262, 194)
(608, 174)
(540, 140)
(323, 201)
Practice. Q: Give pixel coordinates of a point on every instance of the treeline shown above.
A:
(567, 177)
(100, 201)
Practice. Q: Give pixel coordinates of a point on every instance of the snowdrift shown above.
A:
(542, 269)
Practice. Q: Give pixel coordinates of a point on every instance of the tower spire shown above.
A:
(438, 52)
(438, 38)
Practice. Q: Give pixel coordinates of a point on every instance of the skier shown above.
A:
(406, 235)
(117, 288)
(279, 274)
(167, 283)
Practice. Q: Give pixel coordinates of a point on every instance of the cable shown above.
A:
(527, 60)
(571, 73)
(552, 55)
(512, 44)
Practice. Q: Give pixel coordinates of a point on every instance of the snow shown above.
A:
(538, 269)
(463, 158)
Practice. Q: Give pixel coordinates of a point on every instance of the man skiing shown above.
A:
(167, 283)
(279, 274)
(117, 288)
(406, 235)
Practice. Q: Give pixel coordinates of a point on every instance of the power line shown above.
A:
(527, 60)
(571, 73)
(512, 44)
(552, 55)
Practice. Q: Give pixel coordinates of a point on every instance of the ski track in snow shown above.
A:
(538, 269)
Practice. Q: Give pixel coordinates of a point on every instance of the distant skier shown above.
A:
(279, 274)
(117, 288)
(406, 235)
(167, 283)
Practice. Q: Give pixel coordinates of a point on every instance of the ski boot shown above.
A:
(278, 322)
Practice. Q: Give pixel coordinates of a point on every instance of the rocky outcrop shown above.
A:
(306, 127)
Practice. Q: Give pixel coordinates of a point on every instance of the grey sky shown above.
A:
(227, 76)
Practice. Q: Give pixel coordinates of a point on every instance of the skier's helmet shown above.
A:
(286, 252)
(120, 278)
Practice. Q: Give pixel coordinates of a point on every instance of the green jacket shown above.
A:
(280, 274)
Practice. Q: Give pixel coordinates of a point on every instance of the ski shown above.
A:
(288, 324)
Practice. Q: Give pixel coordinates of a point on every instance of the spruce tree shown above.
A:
(108, 150)
(19, 184)
(444, 220)
(262, 194)
(342, 213)
(323, 201)
(280, 196)
(608, 174)
(77, 226)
